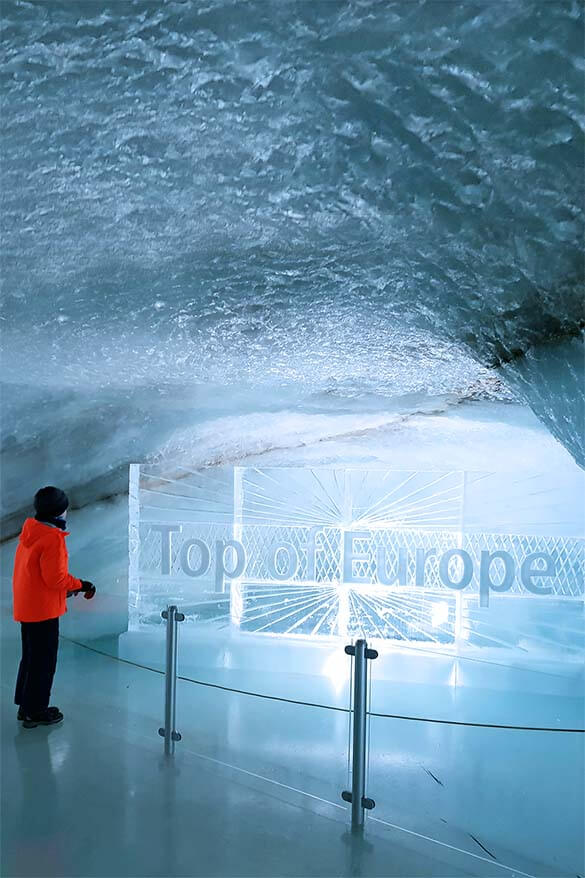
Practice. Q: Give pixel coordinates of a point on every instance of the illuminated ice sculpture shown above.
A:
(437, 557)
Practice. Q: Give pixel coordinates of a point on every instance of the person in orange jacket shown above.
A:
(41, 584)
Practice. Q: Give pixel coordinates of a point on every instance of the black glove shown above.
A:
(88, 589)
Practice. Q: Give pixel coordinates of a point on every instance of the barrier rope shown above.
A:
(418, 719)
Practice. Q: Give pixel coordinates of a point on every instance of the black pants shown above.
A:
(40, 643)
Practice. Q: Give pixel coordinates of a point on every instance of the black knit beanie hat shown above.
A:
(50, 502)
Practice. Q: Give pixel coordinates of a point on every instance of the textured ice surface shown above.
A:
(162, 162)
(552, 377)
(349, 200)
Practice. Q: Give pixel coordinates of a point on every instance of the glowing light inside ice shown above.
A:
(412, 556)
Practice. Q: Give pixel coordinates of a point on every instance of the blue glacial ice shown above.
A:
(281, 234)
(218, 209)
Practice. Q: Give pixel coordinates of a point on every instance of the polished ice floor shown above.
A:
(95, 796)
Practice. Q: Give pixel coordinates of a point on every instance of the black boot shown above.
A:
(49, 717)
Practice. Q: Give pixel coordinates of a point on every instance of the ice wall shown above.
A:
(306, 202)
(551, 377)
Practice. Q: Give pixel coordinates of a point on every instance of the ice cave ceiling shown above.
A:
(367, 196)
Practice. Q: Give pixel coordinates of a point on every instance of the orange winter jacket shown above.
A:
(41, 579)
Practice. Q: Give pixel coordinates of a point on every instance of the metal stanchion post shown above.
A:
(357, 796)
(169, 732)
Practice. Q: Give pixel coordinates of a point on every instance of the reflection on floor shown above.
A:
(517, 793)
(96, 797)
